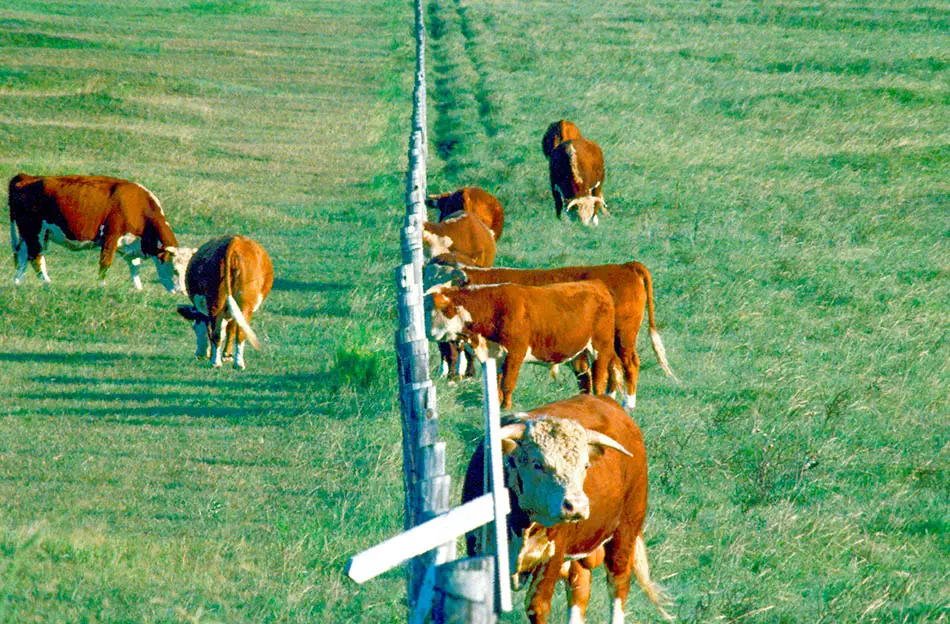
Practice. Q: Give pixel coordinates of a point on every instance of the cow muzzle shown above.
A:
(575, 508)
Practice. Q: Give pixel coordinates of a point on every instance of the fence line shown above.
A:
(426, 484)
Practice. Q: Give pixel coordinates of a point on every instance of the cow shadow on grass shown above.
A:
(63, 358)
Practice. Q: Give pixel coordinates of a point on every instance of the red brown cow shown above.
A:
(474, 200)
(557, 133)
(576, 473)
(630, 286)
(462, 236)
(551, 324)
(81, 212)
(577, 177)
(228, 279)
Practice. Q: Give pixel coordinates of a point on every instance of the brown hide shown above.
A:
(616, 485)
(471, 240)
(229, 265)
(577, 171)
(88, 208)
(557, 133)
(553, 324)
(474, 200)
(630, 286)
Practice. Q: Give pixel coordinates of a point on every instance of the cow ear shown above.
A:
(508, 446)
(459, 278)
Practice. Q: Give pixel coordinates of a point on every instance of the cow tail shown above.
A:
(233, 306)
(641, 569)
(655, 340)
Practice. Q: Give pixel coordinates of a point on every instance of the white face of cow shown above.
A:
(551, 457)
(584, 209)
(445, 319)
(171, 272)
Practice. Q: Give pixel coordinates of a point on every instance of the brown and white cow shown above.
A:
(82, 212)
(557, 133)
(551, 324)
(577, 177)
(576, 473)
(474, 200)
(228, 279)
(462, 236)
(459, 235)
(630, 286)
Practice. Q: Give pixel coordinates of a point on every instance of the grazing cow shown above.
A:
(557, 133)
(474, 200)
(459, 235)
(81, 212)
(462, 236)
(630, 286)
(228, 279)
(551, 324)
(577, 176)
(576, 474)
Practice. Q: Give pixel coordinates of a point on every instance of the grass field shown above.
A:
(783, 168)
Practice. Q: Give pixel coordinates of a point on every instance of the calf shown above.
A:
(557, 133)
(462, 236)
(630, 286)
(576, 474)
(551, 324)
(228, 279)
(473, 200)
(577, 176)
(82, 212)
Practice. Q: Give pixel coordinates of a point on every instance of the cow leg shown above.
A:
(602, 371)
(618, 563)
(109, 246)
(135, 264)
(509, 375)
(540, 594)
(218, 340)
(578, 591)
(450, 355)
(558, 201)
(239, 338)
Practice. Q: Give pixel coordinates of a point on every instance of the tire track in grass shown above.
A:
(468, 112)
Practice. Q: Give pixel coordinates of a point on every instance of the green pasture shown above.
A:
(783, 169)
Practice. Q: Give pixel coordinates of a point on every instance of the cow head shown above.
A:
(201, 323)
(446, 320)
(434, 245)
(438, 273)
(171, 264)
(446, 203)
(584, 209)
(547, 460)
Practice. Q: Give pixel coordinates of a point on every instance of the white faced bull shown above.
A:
(547, 464)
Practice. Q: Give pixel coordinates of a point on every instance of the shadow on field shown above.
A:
(63, 358)
(322, 287)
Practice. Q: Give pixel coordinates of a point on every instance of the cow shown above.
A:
(557, 133)
(552, 324)
(577, 176)
(462, 236)
(576, 473)
(473, 200)
(630, 286)
(228, 279)
(82, 212)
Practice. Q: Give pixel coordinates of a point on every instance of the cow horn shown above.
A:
(572, 203)
(603, 205)
(596, 437)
